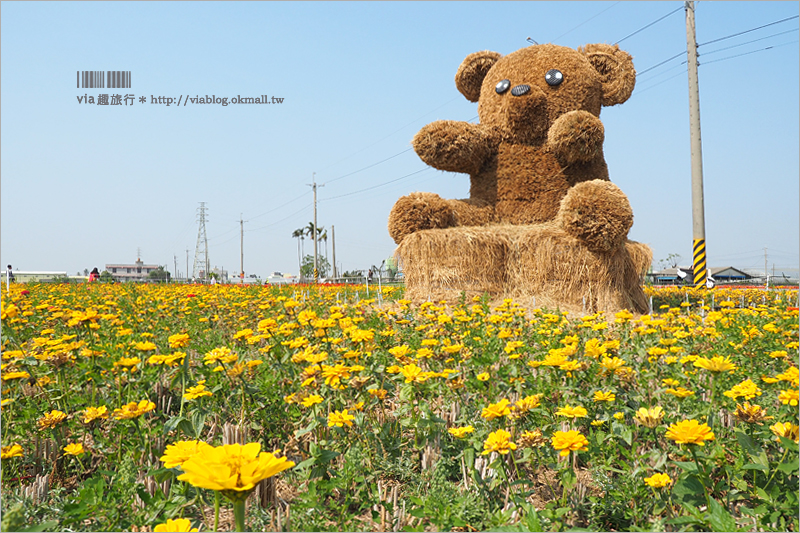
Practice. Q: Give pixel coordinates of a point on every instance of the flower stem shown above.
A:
(238, 514)
(216, 510)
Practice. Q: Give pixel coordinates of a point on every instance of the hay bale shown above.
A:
(440, 264)
(524, 262)
(598, 213)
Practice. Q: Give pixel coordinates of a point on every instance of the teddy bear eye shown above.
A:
(553, 77)
(502, 86)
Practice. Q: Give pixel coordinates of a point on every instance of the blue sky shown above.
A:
(85, 185)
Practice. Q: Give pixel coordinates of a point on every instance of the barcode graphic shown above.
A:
(99, 79)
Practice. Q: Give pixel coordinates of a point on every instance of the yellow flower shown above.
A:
(649, 418)
(689, 432)
(340, 418)
(612, 364)
(619, 415)
(232, 467)
(498, 441)
(177, 525)
(94, 413)
(680, 392)
(789, 397)
(751, 414)
(527, 403)
(746, 389)
(133, 410)
(496, 410)
(567, 441)
(411, 372)
(311, 400)
(334, 374)
(594, 348)
(145, 346)
(669, 382)
(400, 351)
(377, 393)
(179, 340)
(658, 481)
(572, 412)
(484, 376)
(7, 452)
(199, 391)
(787, 430)
(15, 375)
(791, 375)
(601, 396)
(75, 448)
(529, 439)
(127, 362)
(461, 432)
(715, 364)
(179, 452)
(51, 419)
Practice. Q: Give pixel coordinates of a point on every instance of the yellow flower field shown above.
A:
(156, 406)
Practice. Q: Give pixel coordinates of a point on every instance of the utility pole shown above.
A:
(241, 243)
(766, 272)
(698, 210)
(314, 186)
(333, 241)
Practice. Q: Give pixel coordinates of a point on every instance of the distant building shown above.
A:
(23, 276)
(138, 271)
(676, 276)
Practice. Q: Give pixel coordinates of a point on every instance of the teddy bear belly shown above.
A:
(530, 185)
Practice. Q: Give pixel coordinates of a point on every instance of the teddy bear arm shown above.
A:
(454, 146)
(576, 137)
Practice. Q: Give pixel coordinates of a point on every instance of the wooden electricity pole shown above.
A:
(314, 186)
(333, 241)
(698, 210)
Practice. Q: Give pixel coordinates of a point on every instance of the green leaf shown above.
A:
(568, 478)
(311, 461)
(719, 518)
(172, 424)
(312, 426)
(687, 466)
(198, 423)
(755, 466)
(790, 467)
(50, 524)
(623, 432)
(689, 490)
(752, 448)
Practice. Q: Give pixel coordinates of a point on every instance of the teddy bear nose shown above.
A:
(519, 90)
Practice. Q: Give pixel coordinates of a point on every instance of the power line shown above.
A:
(584, 22)
(748, 53)
(369, 166)
(281, 220)
(280, 206)
(375, 186)
(659, 83)
(676, 56)
(749, 42)
(395, 131)
(645, 27)
(748, 31)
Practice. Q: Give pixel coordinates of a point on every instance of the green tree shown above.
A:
(106, 277)
(159, 274)
(307, 269)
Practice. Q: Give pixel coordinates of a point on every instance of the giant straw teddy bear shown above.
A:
(541, 207)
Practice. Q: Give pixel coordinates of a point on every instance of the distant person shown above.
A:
(213, 281)
(369, 275)
(9, 275)
(94, 275)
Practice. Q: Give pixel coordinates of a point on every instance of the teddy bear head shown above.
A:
(523, 93)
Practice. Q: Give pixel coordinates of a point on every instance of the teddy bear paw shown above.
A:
(418, 211)
(597, 213)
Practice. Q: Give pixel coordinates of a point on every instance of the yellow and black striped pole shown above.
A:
(699, 264)
(698, 210)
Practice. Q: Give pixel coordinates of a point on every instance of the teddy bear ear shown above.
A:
(616, 71)
(472, 71)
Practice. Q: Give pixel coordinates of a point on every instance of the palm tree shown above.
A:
(300, 236)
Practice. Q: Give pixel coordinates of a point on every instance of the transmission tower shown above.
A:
(201, 249)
